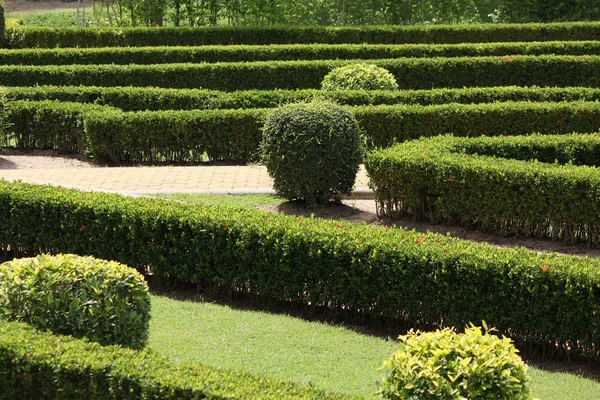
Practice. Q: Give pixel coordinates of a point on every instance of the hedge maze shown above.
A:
(494, 127)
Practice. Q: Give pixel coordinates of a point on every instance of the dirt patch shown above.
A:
(42, 5)
(40, 159)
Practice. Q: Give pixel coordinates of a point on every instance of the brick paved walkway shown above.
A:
(137, 180)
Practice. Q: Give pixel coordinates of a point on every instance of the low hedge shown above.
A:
(544, 186)
(156, 99)
(113, 136)
(411, 73)
(425, 280)
(39, 365)
(236, 53)
(224, 35)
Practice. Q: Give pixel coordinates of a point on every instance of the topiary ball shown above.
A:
(447, 365)
(359, 77)
(104, 301)
(312, 150)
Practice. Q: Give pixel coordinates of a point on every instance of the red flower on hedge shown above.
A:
(83, 228)
(545, 268)
(420, 240)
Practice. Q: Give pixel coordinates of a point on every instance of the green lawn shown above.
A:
(54, 19)
(288, 348)
(245, 200)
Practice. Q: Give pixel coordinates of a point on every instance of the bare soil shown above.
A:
(44, 159)
(42, 5)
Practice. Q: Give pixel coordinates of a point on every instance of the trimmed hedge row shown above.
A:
(49, 125)
(411, 73)
(150, 98)
(234, 53)
(113, 136)
(39, 365)
(544, 186)
(224, 35)
(422, 279)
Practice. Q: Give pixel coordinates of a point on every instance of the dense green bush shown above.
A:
(359, 77)
(37, 365)
(411, 73)
(538, 299)
(156, 99)
(237, 53)
(2, 24)
(474, 33)
(446, 365)
(311, 150)
(103, 301)
(530, 185)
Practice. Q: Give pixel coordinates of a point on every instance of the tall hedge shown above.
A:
(411, 73)
(39, 365)
(239, 53)
(424, 280)
(226, 35)
(113, 136)
(2, 24)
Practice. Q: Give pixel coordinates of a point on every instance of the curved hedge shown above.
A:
(224, 35)
(114, 136)
(129, 98)
(38, 365)
(422, 279)
(237, 53)
(545, 186)
(411, 73)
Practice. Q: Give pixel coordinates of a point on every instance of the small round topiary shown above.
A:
(312, 150)
(359, 77)
(446, 365)
(104, 301)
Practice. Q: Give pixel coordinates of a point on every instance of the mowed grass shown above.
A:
(242, 200)
(283, 347)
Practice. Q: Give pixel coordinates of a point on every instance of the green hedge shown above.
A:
(480, 33)
(39, 365)
(423, 279)
(2, 24)
(113, 136)
(411, 73)
(235, 53)
(544, 186)
(49, 125)
(151, 98)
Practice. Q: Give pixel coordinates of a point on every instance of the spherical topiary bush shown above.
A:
(312, 150)
(446, 365)
(104, 301)
(359, 77)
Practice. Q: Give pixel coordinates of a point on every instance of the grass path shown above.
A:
(282, 347)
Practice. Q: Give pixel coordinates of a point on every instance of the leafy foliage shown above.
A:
(130, 98)
(447, 365)
(103, 301)
(359, 77)
(38, 365)
(411, 73)
(539, 299)
(282, 52)
(530, 185)
(112, 136)
(311, 150)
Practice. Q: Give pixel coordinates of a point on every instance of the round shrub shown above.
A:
(104, 301)
(446, 365)
(359, 77)
(312, 150)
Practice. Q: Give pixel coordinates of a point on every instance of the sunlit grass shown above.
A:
(234, 200)
(279, 346)
(55, 18)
